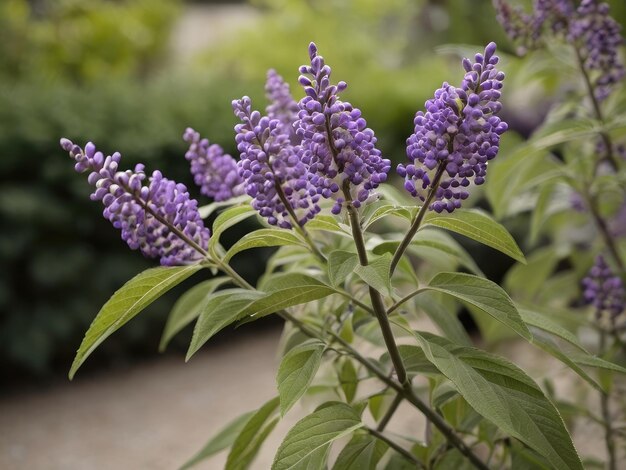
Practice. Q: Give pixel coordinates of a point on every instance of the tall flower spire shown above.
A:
(214, 171)
(274, 175)
(604, 290)
(337, 145)
(589, 27)
(158, 218)
(457, 135)
(282, 105)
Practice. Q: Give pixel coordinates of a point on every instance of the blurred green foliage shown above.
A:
(83, 40)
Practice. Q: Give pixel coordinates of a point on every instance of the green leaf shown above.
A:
(405, 212)
(444, 316)
(442, 242)
(505, 395)
(286, 291)
(525, 281)
(188, 307)
(348, 379)
(545, 342)
(223, 439)
(540, 321)
(315, 431)
(324, 222)
(251, 437)
(479, 227)
(483, 294)
(296, 372)
(219, 311)
(263, 238)
(315, 460)
(431, 244)
(376, 274)
(363, 452)
(415, 361)
(227, 219)
(207, 210)
(597, 362)
(340, 265)
(126, 303)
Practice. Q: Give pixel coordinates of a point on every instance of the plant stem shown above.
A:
(407, 393)
(606, 234)
(605, 398)
(415, 225)
(294, 218)
(401, 450)
(392, 409)
(404, 299)
(606, 138)
(377, 301)
(175, 230)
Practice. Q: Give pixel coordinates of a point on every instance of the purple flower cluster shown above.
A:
(517, 24)
(457, 135)
(337, 145)
(159, 219)
(282, 105)
(214, 171)
(599, 37)
(274, 174)
(553, 13)
(604, 290)
(596, 35)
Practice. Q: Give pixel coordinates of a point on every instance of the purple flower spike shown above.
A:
(589, 28)
(518, 25)
(599, 37)
(457, 135)
(604, 290)
(337, 145)
(214, 171)
(145, 214)
(275, 176)
(283, 107)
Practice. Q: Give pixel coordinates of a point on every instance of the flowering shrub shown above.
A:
(313, 175)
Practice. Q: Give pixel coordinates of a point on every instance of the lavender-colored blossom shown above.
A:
(552, 13)
(282, 105)
(457, 135)
(214, 171)
(275, 176)
(604, 290)
(148, 215)
(598, 37)
(519, 26)
(589, 27)
(337, 145)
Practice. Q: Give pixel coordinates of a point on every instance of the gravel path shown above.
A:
(153, 416)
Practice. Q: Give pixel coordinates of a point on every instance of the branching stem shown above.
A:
(415, 225)
(605, 402)
(606, 138)
(399, 449)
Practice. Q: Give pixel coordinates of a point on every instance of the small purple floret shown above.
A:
(282, 105)
(604, 290)
(135, 207)
(214, 171)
